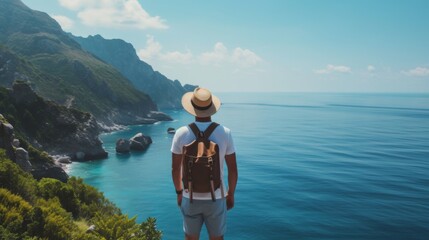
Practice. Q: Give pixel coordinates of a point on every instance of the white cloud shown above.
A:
(153, 49)
(78, 4)
(417, 72)
(220, 54)
(370, 68)
(177, 57)
(217, 56)
(245, 57)
(113, 14)
(65, 22)
(334, 68)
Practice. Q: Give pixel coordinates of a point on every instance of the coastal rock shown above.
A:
(53, 128)
(6, 137)
(96, 155)
(47, 170)
(64, 159)
(21, 156)
(171, 130)
(140, 142)
(123, 145)
(22, 159)
(15, 143)
(140, 120)
(83, 143)
(8, 128)
(160, 116)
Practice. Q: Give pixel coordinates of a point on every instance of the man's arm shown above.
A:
(176, 175)
(231, 163)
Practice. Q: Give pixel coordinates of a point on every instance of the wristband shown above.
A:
(179, 192)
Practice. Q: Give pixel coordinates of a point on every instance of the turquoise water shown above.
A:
(311, 166)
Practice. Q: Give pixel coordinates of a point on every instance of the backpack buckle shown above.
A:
(190, 163)
(210, 161)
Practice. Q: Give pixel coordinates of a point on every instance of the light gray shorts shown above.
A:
(212, 214)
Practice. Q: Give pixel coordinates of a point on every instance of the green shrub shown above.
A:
(5, 234)
(53, 188)
(122, 227)
(149, 230)
(13, 178)
(34, 154)
(116, 227)
(57, 223)
(15, 212)
(47, 209)
(36, 227)
(91, 200)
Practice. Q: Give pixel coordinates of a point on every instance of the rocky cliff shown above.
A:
(165, 92)
(29, 159)
(34, 48)
(49, 126)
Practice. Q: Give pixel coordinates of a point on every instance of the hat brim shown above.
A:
(187, 105)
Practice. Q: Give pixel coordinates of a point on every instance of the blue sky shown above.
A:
(249, 45)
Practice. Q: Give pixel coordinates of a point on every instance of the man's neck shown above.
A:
(203, 119)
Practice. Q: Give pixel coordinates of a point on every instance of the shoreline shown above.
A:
(62, 161)
(65, 161)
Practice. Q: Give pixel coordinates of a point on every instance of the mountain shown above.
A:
(35, 49)
(122, 55)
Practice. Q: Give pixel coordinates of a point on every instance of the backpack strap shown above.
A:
(194, 129)
(206, 133)
(210, 129)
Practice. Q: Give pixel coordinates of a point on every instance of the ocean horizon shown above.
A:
(311, 166)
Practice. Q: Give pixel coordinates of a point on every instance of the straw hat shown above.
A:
(200, 102)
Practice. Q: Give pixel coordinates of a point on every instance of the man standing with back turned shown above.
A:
(199, 152)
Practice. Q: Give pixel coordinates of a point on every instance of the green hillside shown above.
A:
(50, 209)
(62, 71)
(122, 55)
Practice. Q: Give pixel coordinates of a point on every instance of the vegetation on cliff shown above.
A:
(36, 49)
(164, 92)
(79, 86)
(49, 126)
(50, 209)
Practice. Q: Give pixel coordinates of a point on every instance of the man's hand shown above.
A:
(179, 199)
(177, 176)
(229, 201)
(231, 163)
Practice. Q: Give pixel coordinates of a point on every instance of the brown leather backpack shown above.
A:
(201, 163)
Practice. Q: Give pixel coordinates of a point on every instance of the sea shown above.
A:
(310, 165)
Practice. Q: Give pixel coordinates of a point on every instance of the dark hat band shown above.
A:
(201, 108)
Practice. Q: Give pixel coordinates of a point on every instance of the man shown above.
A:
(200, 208)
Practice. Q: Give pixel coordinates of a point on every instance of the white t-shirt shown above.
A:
(221, 136)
